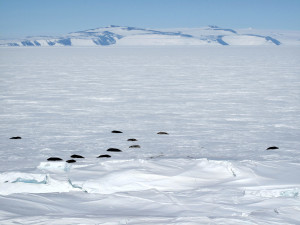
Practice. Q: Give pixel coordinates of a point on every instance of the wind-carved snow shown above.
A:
(246, 40)
(139, 175)
(275, 192)
(222, 107)
(16, 182)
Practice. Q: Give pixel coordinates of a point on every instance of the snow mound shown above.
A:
(15, 182)
(120, 176)
(145, 40)
(246, 40)
(163, 175)
(16, 177)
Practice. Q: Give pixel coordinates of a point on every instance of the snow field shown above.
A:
(181, 189)
(222, 107)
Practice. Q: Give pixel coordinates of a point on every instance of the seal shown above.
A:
(77, 156)
(117, 132)
(114, 150)
(54, 159)
(71, 161)
(162, 132)
(134, 146)
(131, 139)
(104, 156)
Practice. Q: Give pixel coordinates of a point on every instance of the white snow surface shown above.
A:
(246, 40)
(154, 40)
(222, 107)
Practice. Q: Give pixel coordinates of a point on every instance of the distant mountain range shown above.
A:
(133, 36)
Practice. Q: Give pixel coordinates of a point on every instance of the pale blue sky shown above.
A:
(20, 18)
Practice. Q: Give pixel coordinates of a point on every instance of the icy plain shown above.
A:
(221, 105)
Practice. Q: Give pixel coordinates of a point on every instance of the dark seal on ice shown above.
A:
(17, 137)
(134, 146)
(54, 159)
(272, 148)
(71, 161)
(162, 132)
(131, 139)
(117, 132)
(114, 150)
(77, 157)
(104, 156)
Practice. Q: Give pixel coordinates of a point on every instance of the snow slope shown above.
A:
(222, 107)
(132, 36)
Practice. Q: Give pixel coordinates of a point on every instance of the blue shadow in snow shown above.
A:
(108, 38)
(220, 40)
(213, 27)
(268, 38)
(27, 43)
(13, 44)
(51, 43)
(37, 43)
(65, 42)
(276, 42)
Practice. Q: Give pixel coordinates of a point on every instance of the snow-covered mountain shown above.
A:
(131, 36)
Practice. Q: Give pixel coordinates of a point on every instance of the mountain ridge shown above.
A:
(130, 36)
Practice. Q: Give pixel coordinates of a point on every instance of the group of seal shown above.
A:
(68, 161)
(133, 146)
(108, 150)
(112, 149)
